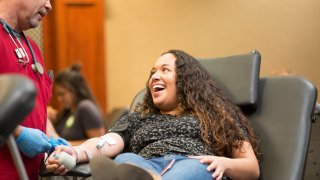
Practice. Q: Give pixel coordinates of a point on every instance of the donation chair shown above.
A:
(17, 95)
(279, 108)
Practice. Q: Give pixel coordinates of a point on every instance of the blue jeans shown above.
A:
(183, 167)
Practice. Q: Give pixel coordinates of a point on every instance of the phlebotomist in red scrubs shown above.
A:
(19, 54)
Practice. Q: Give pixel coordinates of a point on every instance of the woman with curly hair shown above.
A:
(185, 128)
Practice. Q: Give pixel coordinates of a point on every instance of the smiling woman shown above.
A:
(185, 122)
(162, 84)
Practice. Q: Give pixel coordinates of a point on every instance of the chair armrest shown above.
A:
(81, 170)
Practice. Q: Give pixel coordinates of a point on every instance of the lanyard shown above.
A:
(21, 52)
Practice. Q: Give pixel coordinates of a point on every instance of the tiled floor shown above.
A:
(312, 171)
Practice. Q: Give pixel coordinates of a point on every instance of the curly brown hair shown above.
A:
(221, 122)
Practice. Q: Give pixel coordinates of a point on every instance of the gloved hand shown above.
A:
(55, 142)
(62, 141)
(32, 142)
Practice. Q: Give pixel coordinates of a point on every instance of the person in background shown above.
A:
(80, 117)
(20, 54)
(185, 129)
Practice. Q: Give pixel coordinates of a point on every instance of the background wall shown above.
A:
(286, 32)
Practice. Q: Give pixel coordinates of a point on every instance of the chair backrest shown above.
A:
(17, 94)
(238, 77)
(282, 121)
(114, 116)
(137, 99)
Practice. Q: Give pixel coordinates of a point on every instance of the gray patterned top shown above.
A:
(157, 135)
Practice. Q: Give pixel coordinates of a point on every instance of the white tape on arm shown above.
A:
(106, 139)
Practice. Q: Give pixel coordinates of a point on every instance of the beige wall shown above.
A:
(286, 32)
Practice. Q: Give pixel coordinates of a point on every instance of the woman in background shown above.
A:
(79, 118)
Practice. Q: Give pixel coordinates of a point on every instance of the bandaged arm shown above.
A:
(90, 147)
(110, 145)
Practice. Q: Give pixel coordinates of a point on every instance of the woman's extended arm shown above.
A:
(84, 151)
(106, 150)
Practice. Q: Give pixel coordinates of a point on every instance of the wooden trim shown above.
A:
(57, 41)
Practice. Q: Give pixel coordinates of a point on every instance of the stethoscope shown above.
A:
(20, 51)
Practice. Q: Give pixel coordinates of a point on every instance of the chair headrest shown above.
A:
(137, 99)
(238, 77)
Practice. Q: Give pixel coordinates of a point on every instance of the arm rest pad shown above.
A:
(81, 170)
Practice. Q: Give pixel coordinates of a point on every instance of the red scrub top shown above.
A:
(38, 116)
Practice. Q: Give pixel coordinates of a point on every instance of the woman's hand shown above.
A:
(243, 164)
(53, 164)
(216, 163)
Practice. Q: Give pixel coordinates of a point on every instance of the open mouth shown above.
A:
(157, 88)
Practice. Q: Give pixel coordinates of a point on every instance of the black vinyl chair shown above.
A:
(114, 116)
(283, 122)
(279, 108)
(17, 95)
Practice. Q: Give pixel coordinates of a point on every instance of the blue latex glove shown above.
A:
(62, 141)
(55, 142)
(32, 142)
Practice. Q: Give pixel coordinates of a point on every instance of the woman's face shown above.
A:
(162, 84)
(64, 96)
